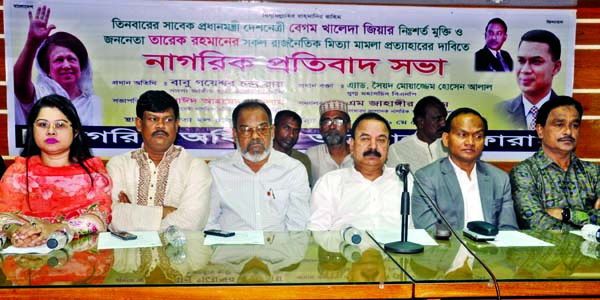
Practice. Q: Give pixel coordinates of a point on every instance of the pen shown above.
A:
(270, 193)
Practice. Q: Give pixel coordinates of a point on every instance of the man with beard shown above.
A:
(425, 146)
(160, 184)
(367, 195)
(553, 189)
(255, 188)
(463, 187)
(286, 131)
(334, 124)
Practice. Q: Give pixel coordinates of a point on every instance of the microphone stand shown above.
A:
(404, 246)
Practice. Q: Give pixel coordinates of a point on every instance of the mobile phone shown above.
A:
(478, 237)
(221, 233)
(124, 235)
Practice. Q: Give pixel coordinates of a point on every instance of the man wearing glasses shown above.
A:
(256, 188)
(334, 125)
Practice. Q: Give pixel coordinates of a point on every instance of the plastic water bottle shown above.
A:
(591, 233)
(174, 236)
(350, 251)
(351, 235)
(59, 239)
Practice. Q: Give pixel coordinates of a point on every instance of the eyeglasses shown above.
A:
(58, 125)
(336, 121)
(245, 131)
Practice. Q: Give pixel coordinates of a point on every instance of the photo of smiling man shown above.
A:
(538, 61)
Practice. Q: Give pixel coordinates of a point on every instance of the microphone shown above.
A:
(449, 227)
(404, 246)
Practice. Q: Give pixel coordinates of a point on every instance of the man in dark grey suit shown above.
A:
(491, 57)
(538, 63)
(463, 187)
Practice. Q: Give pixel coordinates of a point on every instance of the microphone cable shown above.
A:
(462, 242)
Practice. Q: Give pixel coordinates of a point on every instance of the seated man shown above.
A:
(334, 154)
(286, 131)
(367, 195)
(425, 146)
(254, 187)
(160, 184)
(553, 189)
(463, 187)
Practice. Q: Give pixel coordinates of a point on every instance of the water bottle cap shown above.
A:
(52, 243)
(356, 239)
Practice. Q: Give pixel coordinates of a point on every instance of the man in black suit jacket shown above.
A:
(491, 57)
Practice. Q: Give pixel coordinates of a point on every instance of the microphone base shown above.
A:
(404, 247)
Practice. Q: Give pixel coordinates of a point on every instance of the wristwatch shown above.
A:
(566, 215)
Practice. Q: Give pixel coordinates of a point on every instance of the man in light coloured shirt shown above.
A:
(367, 195)
(425, 146)
(463, 187)
(160, 184)
(254, 187)
(334, 125)
(538, 61)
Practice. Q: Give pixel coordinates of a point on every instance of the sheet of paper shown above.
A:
(43, 249)
(577, 232)
(511, 238)
(240, 238)
(144, 239)
(419, 236)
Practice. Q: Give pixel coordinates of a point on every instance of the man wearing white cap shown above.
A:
(334, 125)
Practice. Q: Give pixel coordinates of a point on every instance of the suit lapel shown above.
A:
(456, 201)
(484, 182)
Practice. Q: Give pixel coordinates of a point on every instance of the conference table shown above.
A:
(304, 265)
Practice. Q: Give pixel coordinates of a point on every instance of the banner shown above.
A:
(212, 55)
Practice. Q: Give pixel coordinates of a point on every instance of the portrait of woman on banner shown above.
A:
(63, 68)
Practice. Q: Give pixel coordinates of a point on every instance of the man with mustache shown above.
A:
(492, 58)
(425, 146)
(538, 61)
(334, 125)
(553, 189)
(286, 131)
(367, 195)
(160, 184)
(254, 187)
(462, 186)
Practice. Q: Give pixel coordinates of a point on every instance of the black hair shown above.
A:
(287, 113)
(66, 40)
(497, 21)
(555, 102)
(156, 101)
(79, 151)
(464, 111)
(370, 116)
(420, 110)
(250, 104)
(546, 37)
